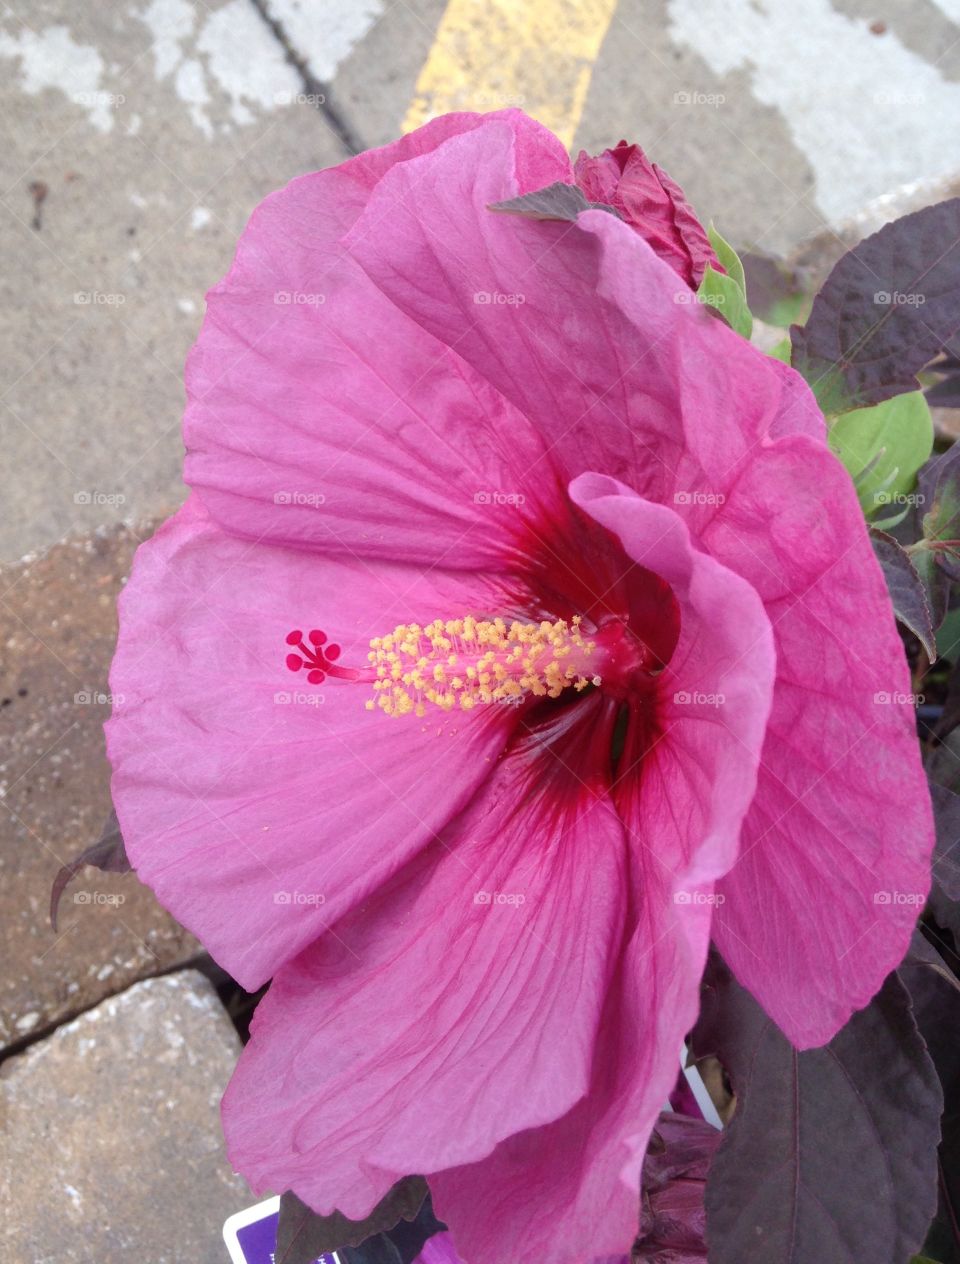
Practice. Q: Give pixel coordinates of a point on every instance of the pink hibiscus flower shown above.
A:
(596, 640)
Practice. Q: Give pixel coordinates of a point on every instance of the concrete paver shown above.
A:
(57, 628)
(112, 1146)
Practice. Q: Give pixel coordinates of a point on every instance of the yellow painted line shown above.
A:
(537, 54)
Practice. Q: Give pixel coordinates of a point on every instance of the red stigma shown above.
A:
(319, 657)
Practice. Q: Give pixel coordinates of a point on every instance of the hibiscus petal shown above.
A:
(240, 786)
(597, 342)
(835, 860)
(460, 1006)
(318, 415)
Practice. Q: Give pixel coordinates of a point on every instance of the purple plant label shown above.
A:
(251, 1235)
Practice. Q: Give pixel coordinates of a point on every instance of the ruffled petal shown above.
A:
(697, 760)
(260, 807)
(319, 415)
(461, 1005)
(835, 861)
(571, 1191)
(596, 341)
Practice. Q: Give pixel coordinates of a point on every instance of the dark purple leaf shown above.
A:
(946, 856)
(107, 854)
(944, 898)
(406, 1240)
(935, 994)
(910, 602)
(556, 201)
(831, 1153)
(884, 311)
(302, 1234)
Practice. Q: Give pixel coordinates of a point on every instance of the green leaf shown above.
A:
(781, 351)
(729, 259)
(893, 439)
(724, 295)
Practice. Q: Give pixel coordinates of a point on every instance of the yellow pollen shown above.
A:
(493, 662)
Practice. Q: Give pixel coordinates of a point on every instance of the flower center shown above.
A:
(461, 663)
